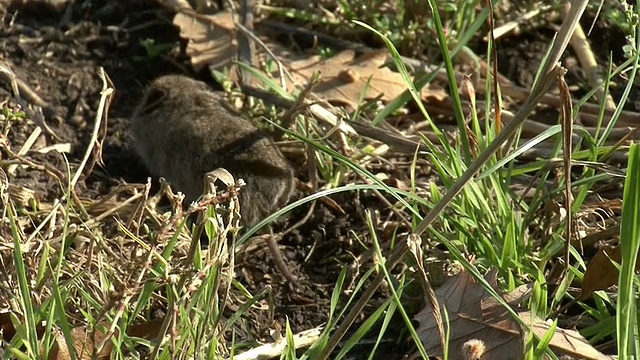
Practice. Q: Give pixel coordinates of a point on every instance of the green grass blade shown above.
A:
(629, 245)
(31, 341)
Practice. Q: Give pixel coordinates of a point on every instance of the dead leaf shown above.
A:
(397, 183)
(480, 327)
(564, 342)
(345, 78)
(471, 316)
(149, 330)
(83, 344)
(6, 326)
(601, 272)
(211, 38)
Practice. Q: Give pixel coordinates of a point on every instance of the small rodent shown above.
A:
(182, 131)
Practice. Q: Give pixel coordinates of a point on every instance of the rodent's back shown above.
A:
(182, 131)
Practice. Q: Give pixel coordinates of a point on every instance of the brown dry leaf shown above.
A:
(472, 316)
(481, 328)
(435, 93)
(601, 273)
(82, 342)
(149, 330)
(85, 346)
(397, 183)
(211, 38)
(564, 342)
(6, 326)
(344, 78)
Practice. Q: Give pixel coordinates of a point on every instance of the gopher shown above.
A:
(182, 131)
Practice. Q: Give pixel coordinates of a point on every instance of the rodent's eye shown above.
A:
(153, 99)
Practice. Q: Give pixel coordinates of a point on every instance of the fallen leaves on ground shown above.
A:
(601, 272)
(82, 339)
(85, 343)
(480, 327)
(211, 39)
(345, 78)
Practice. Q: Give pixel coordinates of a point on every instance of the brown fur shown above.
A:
(182, 131)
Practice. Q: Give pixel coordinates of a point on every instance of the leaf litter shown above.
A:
(478, 321)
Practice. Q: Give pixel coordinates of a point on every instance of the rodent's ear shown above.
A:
(153, 98)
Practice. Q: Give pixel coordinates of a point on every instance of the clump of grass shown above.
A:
(488, 219)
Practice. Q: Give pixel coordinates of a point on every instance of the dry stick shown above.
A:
(106, 96)
(432, 298)
(319, 111)
(44, 222)
(281, 69)
(567, 131)
(20, 87)
(388, 203)
(246, 47)
(298, 106)
(547, 151)
(497, 100)
(314, 36)
(613, 153)
(99, 218)
(278, 259)
(549, 73)
(46, 167)
(11, 169)
(11, 78)
(273, 350)
(532, 128)
(589, 64)
(589, 111)
(399, 142)
(505, 29)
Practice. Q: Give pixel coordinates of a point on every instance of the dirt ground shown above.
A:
(58, 55)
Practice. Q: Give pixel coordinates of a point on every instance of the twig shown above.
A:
(299, 105)
(589, 64)
(106, 94)
(525, 18)
(268, 351)
(314, 37)
(282, 71)
(515, 92)
(567, 131)
(246, 47)
(20, 87)
(399, 142)
(11, 169)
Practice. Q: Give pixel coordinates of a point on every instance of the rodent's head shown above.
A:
(173, 89)
(177, 84)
